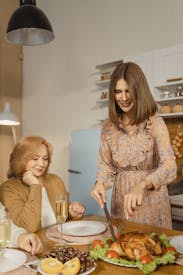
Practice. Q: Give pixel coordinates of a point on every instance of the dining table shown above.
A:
(104, 268)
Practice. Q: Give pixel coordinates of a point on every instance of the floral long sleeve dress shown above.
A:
(127, 157)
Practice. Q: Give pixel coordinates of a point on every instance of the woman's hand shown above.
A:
(99, 194)
(134, 198)
(29, 178)
(31, 243)
(76, 210)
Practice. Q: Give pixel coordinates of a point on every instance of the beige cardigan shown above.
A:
(23, 202)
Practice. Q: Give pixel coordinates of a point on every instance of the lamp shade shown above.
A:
(7, 117)
(29, 26)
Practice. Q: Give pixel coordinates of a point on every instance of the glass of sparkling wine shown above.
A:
(4, 235)
(61, 212)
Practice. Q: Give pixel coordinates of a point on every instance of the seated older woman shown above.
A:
(29, 242)
(30, 193)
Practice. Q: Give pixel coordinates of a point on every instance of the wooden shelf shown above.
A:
(105, 100)
(171, 86)
(101, 120)
(103, 82)
(172, 115)
(108, 65)
(169, 99)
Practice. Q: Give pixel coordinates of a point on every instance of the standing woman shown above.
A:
(30, 193)
(135, 154)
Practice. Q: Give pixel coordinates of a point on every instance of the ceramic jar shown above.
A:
(165, 94)
(179, 91)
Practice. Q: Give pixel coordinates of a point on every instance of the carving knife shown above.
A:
(109, 222)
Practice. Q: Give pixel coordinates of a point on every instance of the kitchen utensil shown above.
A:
(57, 238)
(109, 222)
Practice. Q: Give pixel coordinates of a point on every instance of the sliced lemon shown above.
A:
(51, 266)
(71, 267)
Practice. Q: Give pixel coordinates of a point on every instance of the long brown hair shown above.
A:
(25, 150)
(144, 103)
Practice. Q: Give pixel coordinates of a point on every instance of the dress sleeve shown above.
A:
(24, 209)
(106, 169)
(166, 170)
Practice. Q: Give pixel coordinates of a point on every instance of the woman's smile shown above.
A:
(123, 96)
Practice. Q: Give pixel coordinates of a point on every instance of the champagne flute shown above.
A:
(4, 236)
(61, 212)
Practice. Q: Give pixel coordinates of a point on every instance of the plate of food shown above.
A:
(83, 228)
(135, 250)
(67, 261)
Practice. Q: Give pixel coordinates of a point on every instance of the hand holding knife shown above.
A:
(99, 195)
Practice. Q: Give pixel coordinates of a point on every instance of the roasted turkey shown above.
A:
(134, 245)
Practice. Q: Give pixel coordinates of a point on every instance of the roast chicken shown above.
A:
(134, 245)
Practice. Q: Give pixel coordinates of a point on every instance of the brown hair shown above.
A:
(144, 103)
(25, 150)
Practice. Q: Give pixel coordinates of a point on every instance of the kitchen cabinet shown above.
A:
(163, 69)
(168, 65)
(171, 100)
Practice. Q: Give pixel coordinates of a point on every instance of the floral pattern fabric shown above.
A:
(132, 154)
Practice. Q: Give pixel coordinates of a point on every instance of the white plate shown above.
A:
(12, 259)
(177, 242)
(111, 262)
(84, 273)
(82, 228)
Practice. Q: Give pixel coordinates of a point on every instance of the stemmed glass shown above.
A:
(61, 213)
(4, 236)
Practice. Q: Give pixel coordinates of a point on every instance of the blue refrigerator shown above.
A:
(83, 156)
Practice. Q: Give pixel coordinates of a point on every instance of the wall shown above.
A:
(10, 84)
(59, 91)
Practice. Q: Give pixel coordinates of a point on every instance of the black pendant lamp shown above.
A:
(29, 26)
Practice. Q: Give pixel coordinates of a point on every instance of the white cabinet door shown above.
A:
(168, 64)
(145, 61)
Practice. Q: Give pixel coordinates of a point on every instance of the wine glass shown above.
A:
(61, 212)
(4, 235)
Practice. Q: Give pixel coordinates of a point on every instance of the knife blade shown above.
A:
(109, 221)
